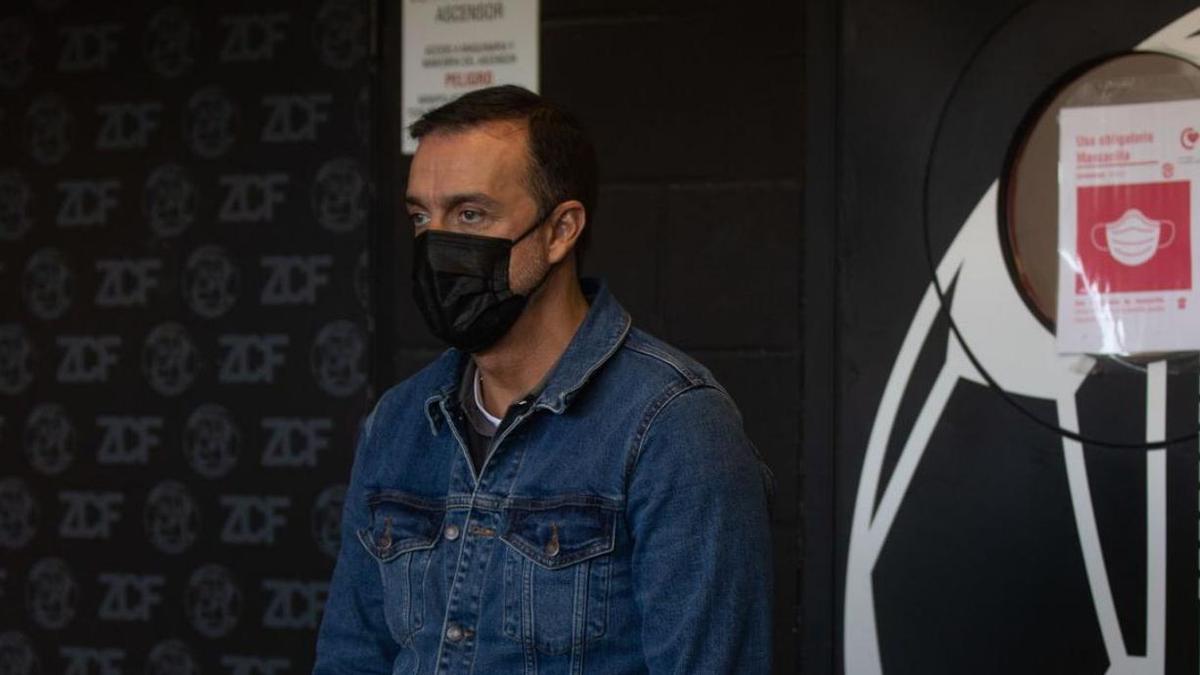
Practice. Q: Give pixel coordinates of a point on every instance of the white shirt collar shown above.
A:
(492, 419)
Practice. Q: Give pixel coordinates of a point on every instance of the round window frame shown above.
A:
(1036, 111)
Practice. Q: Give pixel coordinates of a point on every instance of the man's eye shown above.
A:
(470, 216)
(419, 219)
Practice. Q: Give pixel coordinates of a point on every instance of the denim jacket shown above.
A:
(618, 526)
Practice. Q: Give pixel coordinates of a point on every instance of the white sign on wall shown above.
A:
(452, 47)
(1129, 231)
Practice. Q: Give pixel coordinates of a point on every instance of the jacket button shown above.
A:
(452, 532)
(454, 632)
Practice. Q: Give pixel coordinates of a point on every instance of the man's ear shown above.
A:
(569, 219)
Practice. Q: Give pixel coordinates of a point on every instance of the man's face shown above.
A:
(474, 181)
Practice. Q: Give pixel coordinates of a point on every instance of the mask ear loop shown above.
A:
(537, 224)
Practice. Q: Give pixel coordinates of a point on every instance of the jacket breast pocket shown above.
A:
(400, 536)
(556, 574)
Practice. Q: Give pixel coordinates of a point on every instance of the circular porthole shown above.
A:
(1029, 205)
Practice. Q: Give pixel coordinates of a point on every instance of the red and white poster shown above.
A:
(1128, 242)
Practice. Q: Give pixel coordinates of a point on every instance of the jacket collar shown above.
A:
(597, 339)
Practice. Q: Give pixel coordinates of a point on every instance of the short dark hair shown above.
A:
(562, 158)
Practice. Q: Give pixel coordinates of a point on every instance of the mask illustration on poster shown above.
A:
(1133, 239)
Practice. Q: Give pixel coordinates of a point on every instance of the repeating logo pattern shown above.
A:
(213, 601)
(172, 518)
(17, 656)
(49, 127)
(47, 284)
(49, 439)
(52, 594)
(169, 359)
(340, 195)
(16, 358)
(18, 513)
(171, 657)
(185, 335)
(327, 519)
(210, 441)
(15, 209)
(212, 120)
(169, 200)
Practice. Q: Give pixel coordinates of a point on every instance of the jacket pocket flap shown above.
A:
(399, 524)
(560, 536)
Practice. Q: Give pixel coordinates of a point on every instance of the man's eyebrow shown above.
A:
(452, 201)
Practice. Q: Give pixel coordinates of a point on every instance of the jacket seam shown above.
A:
(687, 374)
(652, 413)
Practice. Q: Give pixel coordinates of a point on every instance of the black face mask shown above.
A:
(460, 283)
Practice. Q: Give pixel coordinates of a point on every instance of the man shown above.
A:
(558, 492)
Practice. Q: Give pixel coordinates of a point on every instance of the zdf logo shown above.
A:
(126, 282)
(253, 519)
(251, 359)
(87, 47)
(127, 126)
(294, 279)
(90, 515)
(87, 202)
(129, 597)
(127, 439)
(294, 117)
(252, 198)
(87, 359)
(252, 37)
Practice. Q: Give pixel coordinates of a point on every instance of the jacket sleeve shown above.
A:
(697, 509)
(353, 637)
